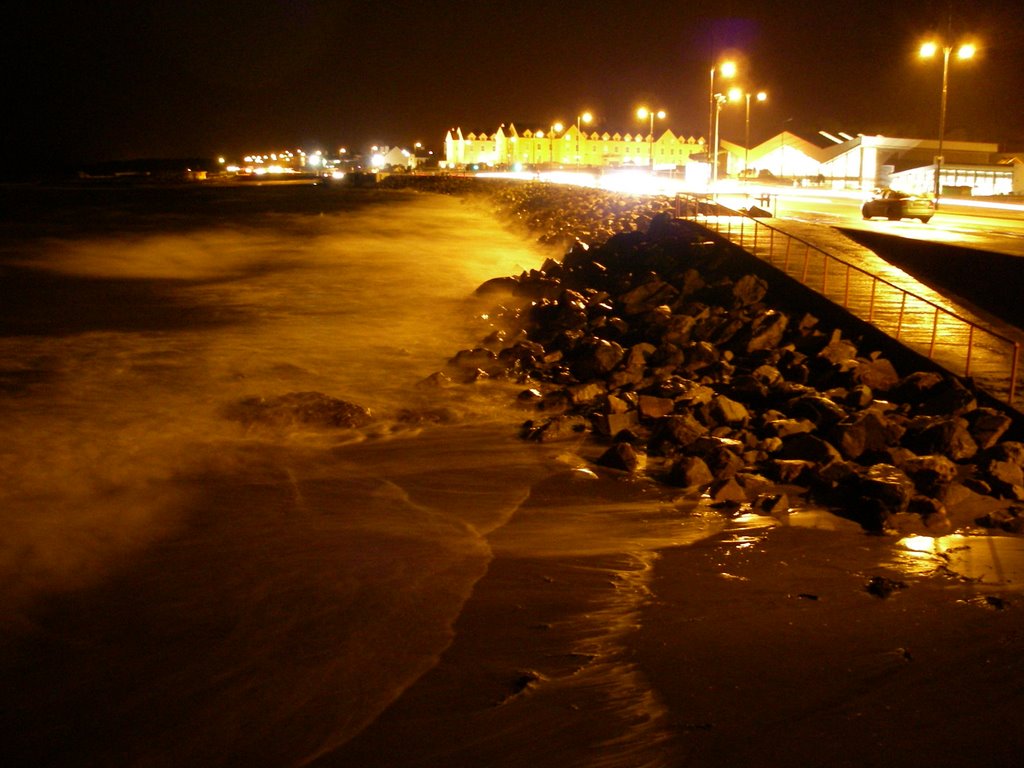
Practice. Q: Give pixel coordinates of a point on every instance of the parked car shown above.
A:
(895, 205)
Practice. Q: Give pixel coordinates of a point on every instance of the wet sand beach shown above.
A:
(758, 645)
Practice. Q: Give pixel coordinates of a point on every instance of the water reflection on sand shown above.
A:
(989, 560)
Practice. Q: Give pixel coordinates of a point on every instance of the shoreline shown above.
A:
(541, 668)
(757, 645)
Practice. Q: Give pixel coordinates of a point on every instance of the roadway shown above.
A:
(985, 225)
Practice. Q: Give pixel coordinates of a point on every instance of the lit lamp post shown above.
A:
(556, 128)
(586, 117)
(643, 114)
(720, 99)
(965, 51)
(726, 69)
(735, 94)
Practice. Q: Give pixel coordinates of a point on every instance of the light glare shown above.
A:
(966, 51)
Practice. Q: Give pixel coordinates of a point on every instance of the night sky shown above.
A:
(200, 78)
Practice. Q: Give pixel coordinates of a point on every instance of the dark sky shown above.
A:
(198, 78)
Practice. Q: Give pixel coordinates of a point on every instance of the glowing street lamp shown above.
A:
(644, 113)
(555, 129)
(963, 51)
(735, 94)
(586, 117)
(726, 69)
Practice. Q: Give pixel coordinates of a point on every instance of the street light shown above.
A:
(929, 49)
(727, 69)
(720, 99)
(556, 128)
(586, 117)
(643, 113)
(735, 94)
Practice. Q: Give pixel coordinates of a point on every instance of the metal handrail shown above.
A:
(721, 219)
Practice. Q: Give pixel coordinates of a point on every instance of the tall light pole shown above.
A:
(643, 113)
(586, 117)
(556, 128)
(720, 99)
(726, 69)
(929, 49)
(735, 94)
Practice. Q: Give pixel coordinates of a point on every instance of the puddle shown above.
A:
(991, 560)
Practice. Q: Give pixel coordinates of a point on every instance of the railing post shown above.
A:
(1013, 371)
(970, 350)
(935, 330)
(807, 257)
(899, 322)
(785, 264)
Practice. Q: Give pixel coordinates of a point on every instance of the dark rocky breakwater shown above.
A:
(682, 364)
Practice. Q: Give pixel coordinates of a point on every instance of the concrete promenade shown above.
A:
(961, 336)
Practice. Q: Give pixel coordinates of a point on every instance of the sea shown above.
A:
(180, 587)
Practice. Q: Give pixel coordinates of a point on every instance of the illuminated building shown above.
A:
(508, 148)
(841, 162)
(969, 167)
